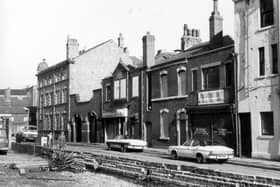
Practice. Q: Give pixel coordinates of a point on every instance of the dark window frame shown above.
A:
(209, 73)
(267, 124)
(164, 85)
(274, 56)
(194, 80)
(261, 61)
(266, 13)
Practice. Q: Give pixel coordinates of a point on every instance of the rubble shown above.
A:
(73, 162)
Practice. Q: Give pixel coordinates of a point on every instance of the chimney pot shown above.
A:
(72, 48)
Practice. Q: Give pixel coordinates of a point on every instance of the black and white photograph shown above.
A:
(136, 93)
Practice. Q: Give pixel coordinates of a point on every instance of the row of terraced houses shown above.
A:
(227, 89)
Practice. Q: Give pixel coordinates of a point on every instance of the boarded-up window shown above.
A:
(135, 86)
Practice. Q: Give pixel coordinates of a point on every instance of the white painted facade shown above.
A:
(257, 93)
(89, 68)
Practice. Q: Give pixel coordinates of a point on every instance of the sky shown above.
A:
(31, 30)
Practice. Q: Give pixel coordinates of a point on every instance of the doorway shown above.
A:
(92, 128)
(149, 133)
(245, 137)
(78, 122)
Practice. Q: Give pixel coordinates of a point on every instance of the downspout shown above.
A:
(69, 115)
(235, 109)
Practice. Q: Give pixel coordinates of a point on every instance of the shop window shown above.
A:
(274, 51)
(164, 132)
(261, 61)
(194, 80)
(164, 84)
(267, 13)
(267, 123)
(211, 78)
(181, 82)
(135, 86)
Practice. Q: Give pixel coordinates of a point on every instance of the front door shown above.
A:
(149, 133)
(245, 127)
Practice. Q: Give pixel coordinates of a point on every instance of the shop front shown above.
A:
(216, 123)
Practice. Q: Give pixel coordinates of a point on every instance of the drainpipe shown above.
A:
(237, 122)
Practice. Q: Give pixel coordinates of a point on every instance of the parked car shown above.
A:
(124, 144)
(201, 150)
(28, 133)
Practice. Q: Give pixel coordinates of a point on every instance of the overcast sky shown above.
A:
(34, 29)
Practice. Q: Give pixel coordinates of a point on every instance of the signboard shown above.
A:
(211, 97)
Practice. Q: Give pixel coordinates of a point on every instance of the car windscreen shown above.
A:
(3, 133)
(32, 128)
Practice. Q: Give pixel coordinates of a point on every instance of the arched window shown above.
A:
(181, 74)
(163, 84)
(164, 130)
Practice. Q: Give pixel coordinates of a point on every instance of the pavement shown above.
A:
(241, 161)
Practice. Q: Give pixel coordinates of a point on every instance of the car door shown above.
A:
(192, 150)
(187, 150)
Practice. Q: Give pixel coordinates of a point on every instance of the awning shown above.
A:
(221, 108)
(118, 113)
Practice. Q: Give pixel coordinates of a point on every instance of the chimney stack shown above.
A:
(72, 48)
(190, 38)
(121, 41)
(216, 23)
(148, 50)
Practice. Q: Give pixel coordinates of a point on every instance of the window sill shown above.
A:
(261, 29)
(169, 98)
(267, 76)
(265, 137)
(164, 138)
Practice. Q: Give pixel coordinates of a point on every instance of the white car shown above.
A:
(125, 144)
(29, 133)
(201, 151)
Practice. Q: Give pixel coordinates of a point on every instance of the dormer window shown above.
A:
(120, 89)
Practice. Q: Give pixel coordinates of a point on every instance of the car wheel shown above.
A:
(174, 155)
(222, 160)
(200, 158)
(123, 149)
(109, 147)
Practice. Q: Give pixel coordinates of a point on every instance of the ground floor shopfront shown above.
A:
(121, 125)
(216, 123)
